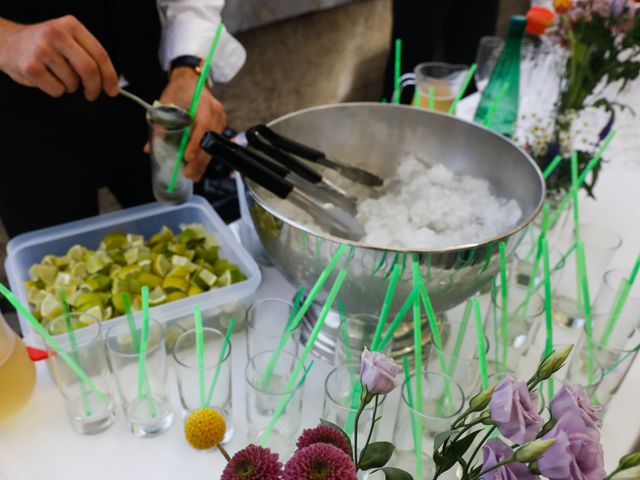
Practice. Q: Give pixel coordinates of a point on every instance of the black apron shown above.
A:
(58, 151)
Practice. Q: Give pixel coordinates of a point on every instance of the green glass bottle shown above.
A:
(498, 107)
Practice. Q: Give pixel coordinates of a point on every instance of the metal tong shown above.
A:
(291, 146)
(277, 179)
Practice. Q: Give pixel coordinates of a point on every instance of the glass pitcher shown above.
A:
(17, 372)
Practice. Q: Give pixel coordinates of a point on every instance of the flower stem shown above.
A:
(224, 452)
(364, 401)
(496, 466)
(373, 424)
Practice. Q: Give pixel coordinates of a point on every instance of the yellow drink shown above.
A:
(17, 372)
(443, 96)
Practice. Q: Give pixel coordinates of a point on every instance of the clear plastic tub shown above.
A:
(218, 306)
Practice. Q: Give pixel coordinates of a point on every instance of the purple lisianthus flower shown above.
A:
(495, 451)
(378, 373)
(513, 411)
(576, 453)
(574, 398)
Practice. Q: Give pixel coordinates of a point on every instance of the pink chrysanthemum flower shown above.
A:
(320, 461)
(324, 434)
(253, 463)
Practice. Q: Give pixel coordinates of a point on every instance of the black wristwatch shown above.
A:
(186, 61)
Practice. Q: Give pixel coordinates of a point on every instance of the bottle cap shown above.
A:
(517, 25)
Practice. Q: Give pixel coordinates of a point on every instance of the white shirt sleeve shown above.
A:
(188, 27)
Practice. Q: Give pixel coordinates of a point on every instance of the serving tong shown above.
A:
(329, 208)
(311, 154)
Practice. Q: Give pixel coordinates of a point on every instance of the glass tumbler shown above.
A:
(443, 79)
(340, 406)
(215, 377)
(88, 413)
(165, 144)
(607, 295)
(442, 402)
(142, 389)
(267, 322)
(266, 387)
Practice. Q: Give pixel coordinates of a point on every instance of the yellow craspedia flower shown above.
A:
(204, 428)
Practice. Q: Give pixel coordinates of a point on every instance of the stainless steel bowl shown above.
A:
(375, 137)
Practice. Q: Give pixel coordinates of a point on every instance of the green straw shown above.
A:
(195, 100)
(130, 320)
(482, 355)
(536, 262)
(459, 340)
(463, 88)
(552, 166)
(223, 352)
(492, 107)
(417, 349)
(407, 382)
(618, 303)
(588, 326)
(504, 301)
(197, 317)
(74, 348)
(416, 98)
(286, 335)
(431, 98)
(282, 406)
(142, 353)
(397, 320)
(386, 307)
(397, 71)
(322, 279)
(435, 331)
(53, 343)
(496, 330)
(547, 297)
(333, 293)
(590, 166)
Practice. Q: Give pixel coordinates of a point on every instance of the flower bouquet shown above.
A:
(599, 41)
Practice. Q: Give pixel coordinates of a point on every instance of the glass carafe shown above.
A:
(17, 372)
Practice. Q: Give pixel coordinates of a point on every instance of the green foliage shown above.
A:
(375, 455)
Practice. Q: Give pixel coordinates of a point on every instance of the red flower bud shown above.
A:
(538, 20)
(562, 6)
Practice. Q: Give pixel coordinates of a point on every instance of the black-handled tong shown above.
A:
(291, 146)
(336, 219)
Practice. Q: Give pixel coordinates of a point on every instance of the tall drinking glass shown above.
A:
(600, 245)
(489, 50)
(142, 390)
(608, 292)
(442, 402)
(216, 396)
(264, 392)
(267, 320)
(165, 143)
(510, 340)
(339, 407)
(88, 413)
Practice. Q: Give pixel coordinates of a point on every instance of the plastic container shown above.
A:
(218, 306)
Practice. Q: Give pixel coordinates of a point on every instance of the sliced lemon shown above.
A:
(135, 240)
(128, 271)
(161, 266)
(47, 273)
(63, 279)
(182, 272)
(173, 296)
(117, 300)
(87, 298)
(179, 261)
(50, 307)
(150, 280)
(79, 270)
(210, 254)
(171, 284)
(114, 269)
(114, 240)
(76, 253)
(33, 273)
(98, 282)
(208, 278)
(131, 255)
(194, 290)
(187, 235)
(224, 279)
(108, 313)
(89, 317)
(145, 265)
(61, 262)
(49, 260)
(220, 266)
(157, 296)
(95, 263)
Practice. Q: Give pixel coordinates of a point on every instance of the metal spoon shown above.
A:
(165, 115)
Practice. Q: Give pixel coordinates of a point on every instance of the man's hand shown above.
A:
(210, 116)
(56, 56)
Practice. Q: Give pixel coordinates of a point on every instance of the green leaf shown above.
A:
(333, 425)
(392, 473)
(375, 455)
(441, 438)
(459, 447)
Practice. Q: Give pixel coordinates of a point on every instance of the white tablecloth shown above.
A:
(38, 443)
